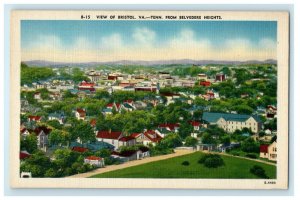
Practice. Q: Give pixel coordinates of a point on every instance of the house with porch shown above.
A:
(147, 137)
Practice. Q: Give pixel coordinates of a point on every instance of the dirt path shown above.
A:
(256, 160)
(131, 164)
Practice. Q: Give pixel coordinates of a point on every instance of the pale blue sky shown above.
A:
(108, 38)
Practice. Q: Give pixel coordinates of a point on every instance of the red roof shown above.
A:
(151, 135)
(128, 101)
(80, 149)
(24, 154)
(81, 112)
(93, 122)
(118, 105)
(271, 107)
(205, 83)
(23, 130)
(90, 89)
(126, 138)
(135, 135)
(195, 123)
(34, 118)
(169, 125)
(168, 94)
(109, 134)
(112, 77)
(86, 84)
(263, 148)
(38, 130)
(93, 158)
(110, 105)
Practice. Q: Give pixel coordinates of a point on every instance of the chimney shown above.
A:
(109, 131)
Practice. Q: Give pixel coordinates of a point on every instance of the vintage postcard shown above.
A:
(149, 99)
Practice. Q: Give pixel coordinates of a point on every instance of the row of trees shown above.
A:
(65, 163)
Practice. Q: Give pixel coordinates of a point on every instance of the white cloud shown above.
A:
(143, 45)
(144, 36)
(113, 41)
(267, 43)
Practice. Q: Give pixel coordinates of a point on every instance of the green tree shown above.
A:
(44, 93)
(172, 140)
(59, 137)
(103, 153)
(34, 74)
(55, 124)
(250, 146)
(68, 94)
(207, 139)
(64, 158)
(83, 131)
(101, 94)
(185, 130)
(38, 163)
(29, 143)
(191, 141)
(78, 75)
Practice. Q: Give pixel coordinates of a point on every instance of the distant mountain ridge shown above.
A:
(44, 63)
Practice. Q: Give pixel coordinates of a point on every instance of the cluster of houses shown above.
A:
(114, 140)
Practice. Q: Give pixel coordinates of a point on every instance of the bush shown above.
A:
(185, 163)
(235, 153)
(251, 155)
(112, 161)
(258, 171)
(211, 160)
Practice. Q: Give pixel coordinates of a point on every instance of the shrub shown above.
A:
(251, 155)
(185, 163)
(258, 171)
(235, 153)
(211, 160)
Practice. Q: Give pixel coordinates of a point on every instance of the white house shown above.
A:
(196, 125)
(147, 137)
(94, 160)
(127, 141)
(32, 118)
(111, 137)
(37, 96)
(269, 151)
(80, 114)
(24, 132)
(57, 116)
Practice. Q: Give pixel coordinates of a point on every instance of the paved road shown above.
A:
(131, 163)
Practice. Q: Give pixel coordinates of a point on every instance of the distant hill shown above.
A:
(43, 63)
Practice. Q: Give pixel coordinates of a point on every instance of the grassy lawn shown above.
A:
(235, 168)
